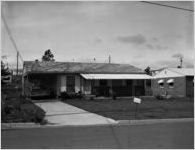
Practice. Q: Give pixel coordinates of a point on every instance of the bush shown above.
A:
(64, 95)
(159, 97)
(32, 113)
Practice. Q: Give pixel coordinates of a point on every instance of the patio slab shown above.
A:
(59, 113)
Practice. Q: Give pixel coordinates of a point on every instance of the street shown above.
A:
(164, 135)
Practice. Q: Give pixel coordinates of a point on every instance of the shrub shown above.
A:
(64, 95)
(159, 97)
(32, 113)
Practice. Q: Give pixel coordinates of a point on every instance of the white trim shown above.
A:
(115, 76)
(170, 81)
(160, 81)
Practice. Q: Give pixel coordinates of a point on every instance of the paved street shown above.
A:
(165, 135)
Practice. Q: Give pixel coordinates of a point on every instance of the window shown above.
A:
(161, 83)
(170, 83)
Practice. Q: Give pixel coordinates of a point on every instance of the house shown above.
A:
(174, 82)
(52, 78)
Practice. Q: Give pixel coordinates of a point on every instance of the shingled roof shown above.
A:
(78, 67)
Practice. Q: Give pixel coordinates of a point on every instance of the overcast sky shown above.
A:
(136, 33)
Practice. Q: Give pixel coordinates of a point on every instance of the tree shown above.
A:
(4, 71)
(48, 56)
(148, 71)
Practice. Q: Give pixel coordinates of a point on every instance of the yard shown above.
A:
(15, 108)
(150, 108)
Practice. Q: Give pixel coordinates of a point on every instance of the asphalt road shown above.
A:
(164, 135)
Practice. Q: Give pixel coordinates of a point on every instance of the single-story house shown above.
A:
(52, 78)
(174, 82)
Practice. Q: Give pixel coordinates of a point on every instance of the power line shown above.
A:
(11, 37)
(167, 6)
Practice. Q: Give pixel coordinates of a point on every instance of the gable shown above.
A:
(166, 73)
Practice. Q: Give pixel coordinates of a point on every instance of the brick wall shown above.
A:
(190, 86)
(179, 88)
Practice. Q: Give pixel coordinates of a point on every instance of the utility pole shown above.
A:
(181, 62)
(17, 63)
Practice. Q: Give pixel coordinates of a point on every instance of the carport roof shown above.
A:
(116, 76)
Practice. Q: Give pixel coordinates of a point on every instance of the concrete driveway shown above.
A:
(59, 113)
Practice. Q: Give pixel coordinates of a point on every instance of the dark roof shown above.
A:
(78, 67)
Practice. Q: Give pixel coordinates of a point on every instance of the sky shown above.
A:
(131, 32)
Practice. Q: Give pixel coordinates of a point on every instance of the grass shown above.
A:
(150, 108)
(18, 110)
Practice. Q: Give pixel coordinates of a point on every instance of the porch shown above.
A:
(52, 85)
(118, 87)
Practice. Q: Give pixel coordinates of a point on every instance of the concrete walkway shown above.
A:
(59, 113)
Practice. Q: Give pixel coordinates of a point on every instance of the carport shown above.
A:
(120, 84)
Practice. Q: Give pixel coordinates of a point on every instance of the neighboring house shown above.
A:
(174, 82)
(6, 79)
(20, 71)
(44, 78)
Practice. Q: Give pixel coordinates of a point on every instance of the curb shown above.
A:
(154, 121)
(5, 126)
(9, 126)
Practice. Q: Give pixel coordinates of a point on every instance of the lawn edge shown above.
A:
(7, 126)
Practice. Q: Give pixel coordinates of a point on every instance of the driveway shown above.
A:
(59, 113)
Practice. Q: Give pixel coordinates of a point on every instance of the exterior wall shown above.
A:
(179, 88)
(77, 84)
(82, 84)
(62, 83)
(58, 84)
(87, 86)
(189, 86)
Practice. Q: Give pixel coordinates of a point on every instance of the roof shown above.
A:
(175, 72)
(116, 76)
(78, 67)
(183, 71)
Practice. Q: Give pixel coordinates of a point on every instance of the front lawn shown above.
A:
(18, 109)
(15, 108)
(150, 108)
